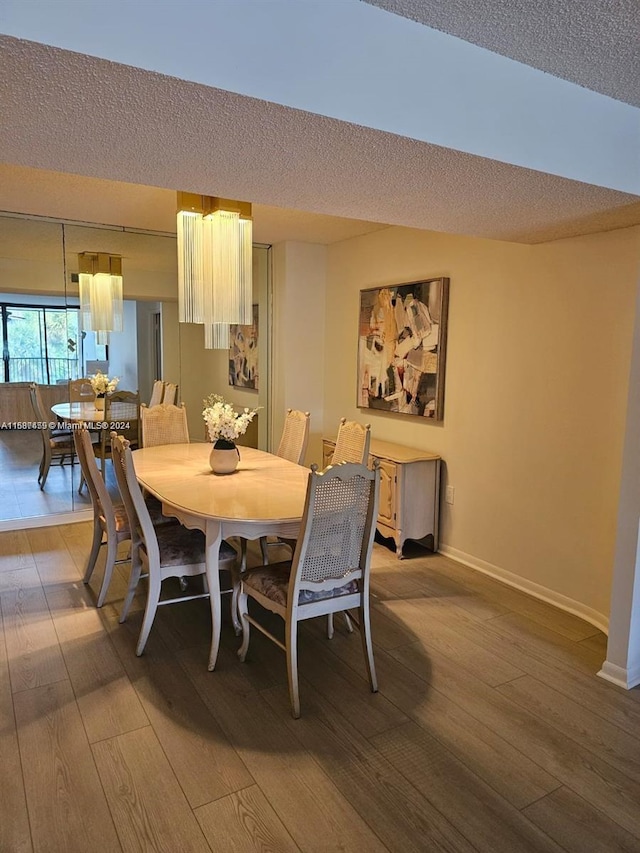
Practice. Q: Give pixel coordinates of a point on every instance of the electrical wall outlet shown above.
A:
(450, 494)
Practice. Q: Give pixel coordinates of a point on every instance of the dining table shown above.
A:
(123, 417)
(88, 413)
(264, 496)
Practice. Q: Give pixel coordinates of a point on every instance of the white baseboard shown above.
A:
(599, 620)
(46, 520)
(626, 678)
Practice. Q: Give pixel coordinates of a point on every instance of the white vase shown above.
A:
(99, 404)
(224, 461)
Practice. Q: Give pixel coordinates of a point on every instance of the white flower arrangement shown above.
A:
(224, 424)
(102, 385)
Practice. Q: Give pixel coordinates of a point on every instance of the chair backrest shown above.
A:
(137, 511)
(123, 407)
(295, 435)
(170, 396)
(39, 411)
(100, 497)
(157, 393)
(337, 529)
(80, 391)
(352, 442)
(164, 424)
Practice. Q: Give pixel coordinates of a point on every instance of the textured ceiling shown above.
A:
(81, 199)
(595, 43)
(71, 113)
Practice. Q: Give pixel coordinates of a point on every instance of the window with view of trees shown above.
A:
(40, 344)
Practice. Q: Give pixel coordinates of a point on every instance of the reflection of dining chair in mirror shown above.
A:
(80, 391)
(157, 393)
(121, 412)
(56, 444)
(293, 446)
(164, 424)
(164, 551)
(170, 395)
(329, 572)
(352, 443)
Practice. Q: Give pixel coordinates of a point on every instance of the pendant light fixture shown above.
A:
(214, 264)
(100, 281)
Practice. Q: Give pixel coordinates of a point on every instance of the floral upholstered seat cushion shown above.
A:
(272, 581)
(181, 547)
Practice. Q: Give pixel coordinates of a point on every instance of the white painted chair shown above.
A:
(330, 568)
(157, 393)
(161, 552)
(164, 424)
(352, 442)
(295, 436)
(56, 444)
(293, 446)
(110, 523)
(170, 396)
(81, 391)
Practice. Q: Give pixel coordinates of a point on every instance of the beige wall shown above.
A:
(204, 372)
(535, 397)
(299, 338)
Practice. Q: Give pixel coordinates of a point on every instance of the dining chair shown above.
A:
(161, 552)
(123, 409)
(295, 436)
(352, 445)
(164, 424)
(157, 393)
(293, 446)
(80, 391)
(170, 396)
(56, 444)
(110, 524)
(352, 442)
(330, 569)
(110, 520)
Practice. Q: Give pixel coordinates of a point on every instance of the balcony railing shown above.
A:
(35, 370)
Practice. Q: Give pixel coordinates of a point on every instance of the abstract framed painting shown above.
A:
(243, 354)
(402, 346)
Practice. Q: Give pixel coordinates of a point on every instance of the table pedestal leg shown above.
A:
(212, 552)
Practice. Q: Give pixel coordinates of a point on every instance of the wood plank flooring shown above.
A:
(490, 732)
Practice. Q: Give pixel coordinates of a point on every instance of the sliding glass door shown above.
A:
(39, 343)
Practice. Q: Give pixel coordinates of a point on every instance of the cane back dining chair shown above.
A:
(330, 568)
(81, 391)
(295, 436)
(170, 395)
(56, 444)
(164, 424)
(121, 408)
(157, 393)
(293, 446)
(352, 442)
(110, 525)
(161, 552)
(110, 520)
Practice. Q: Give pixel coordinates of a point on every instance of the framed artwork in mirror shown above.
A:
(243, 354)
(401, 348)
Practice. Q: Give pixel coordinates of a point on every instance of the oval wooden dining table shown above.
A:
(263, 497)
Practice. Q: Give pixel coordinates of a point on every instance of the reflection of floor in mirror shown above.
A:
(20, 495)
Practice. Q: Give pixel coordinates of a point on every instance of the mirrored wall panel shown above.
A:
(52, 349)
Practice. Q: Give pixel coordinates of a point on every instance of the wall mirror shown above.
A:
(43, 342)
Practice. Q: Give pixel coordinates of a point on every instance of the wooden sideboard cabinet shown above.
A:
(409, 491)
